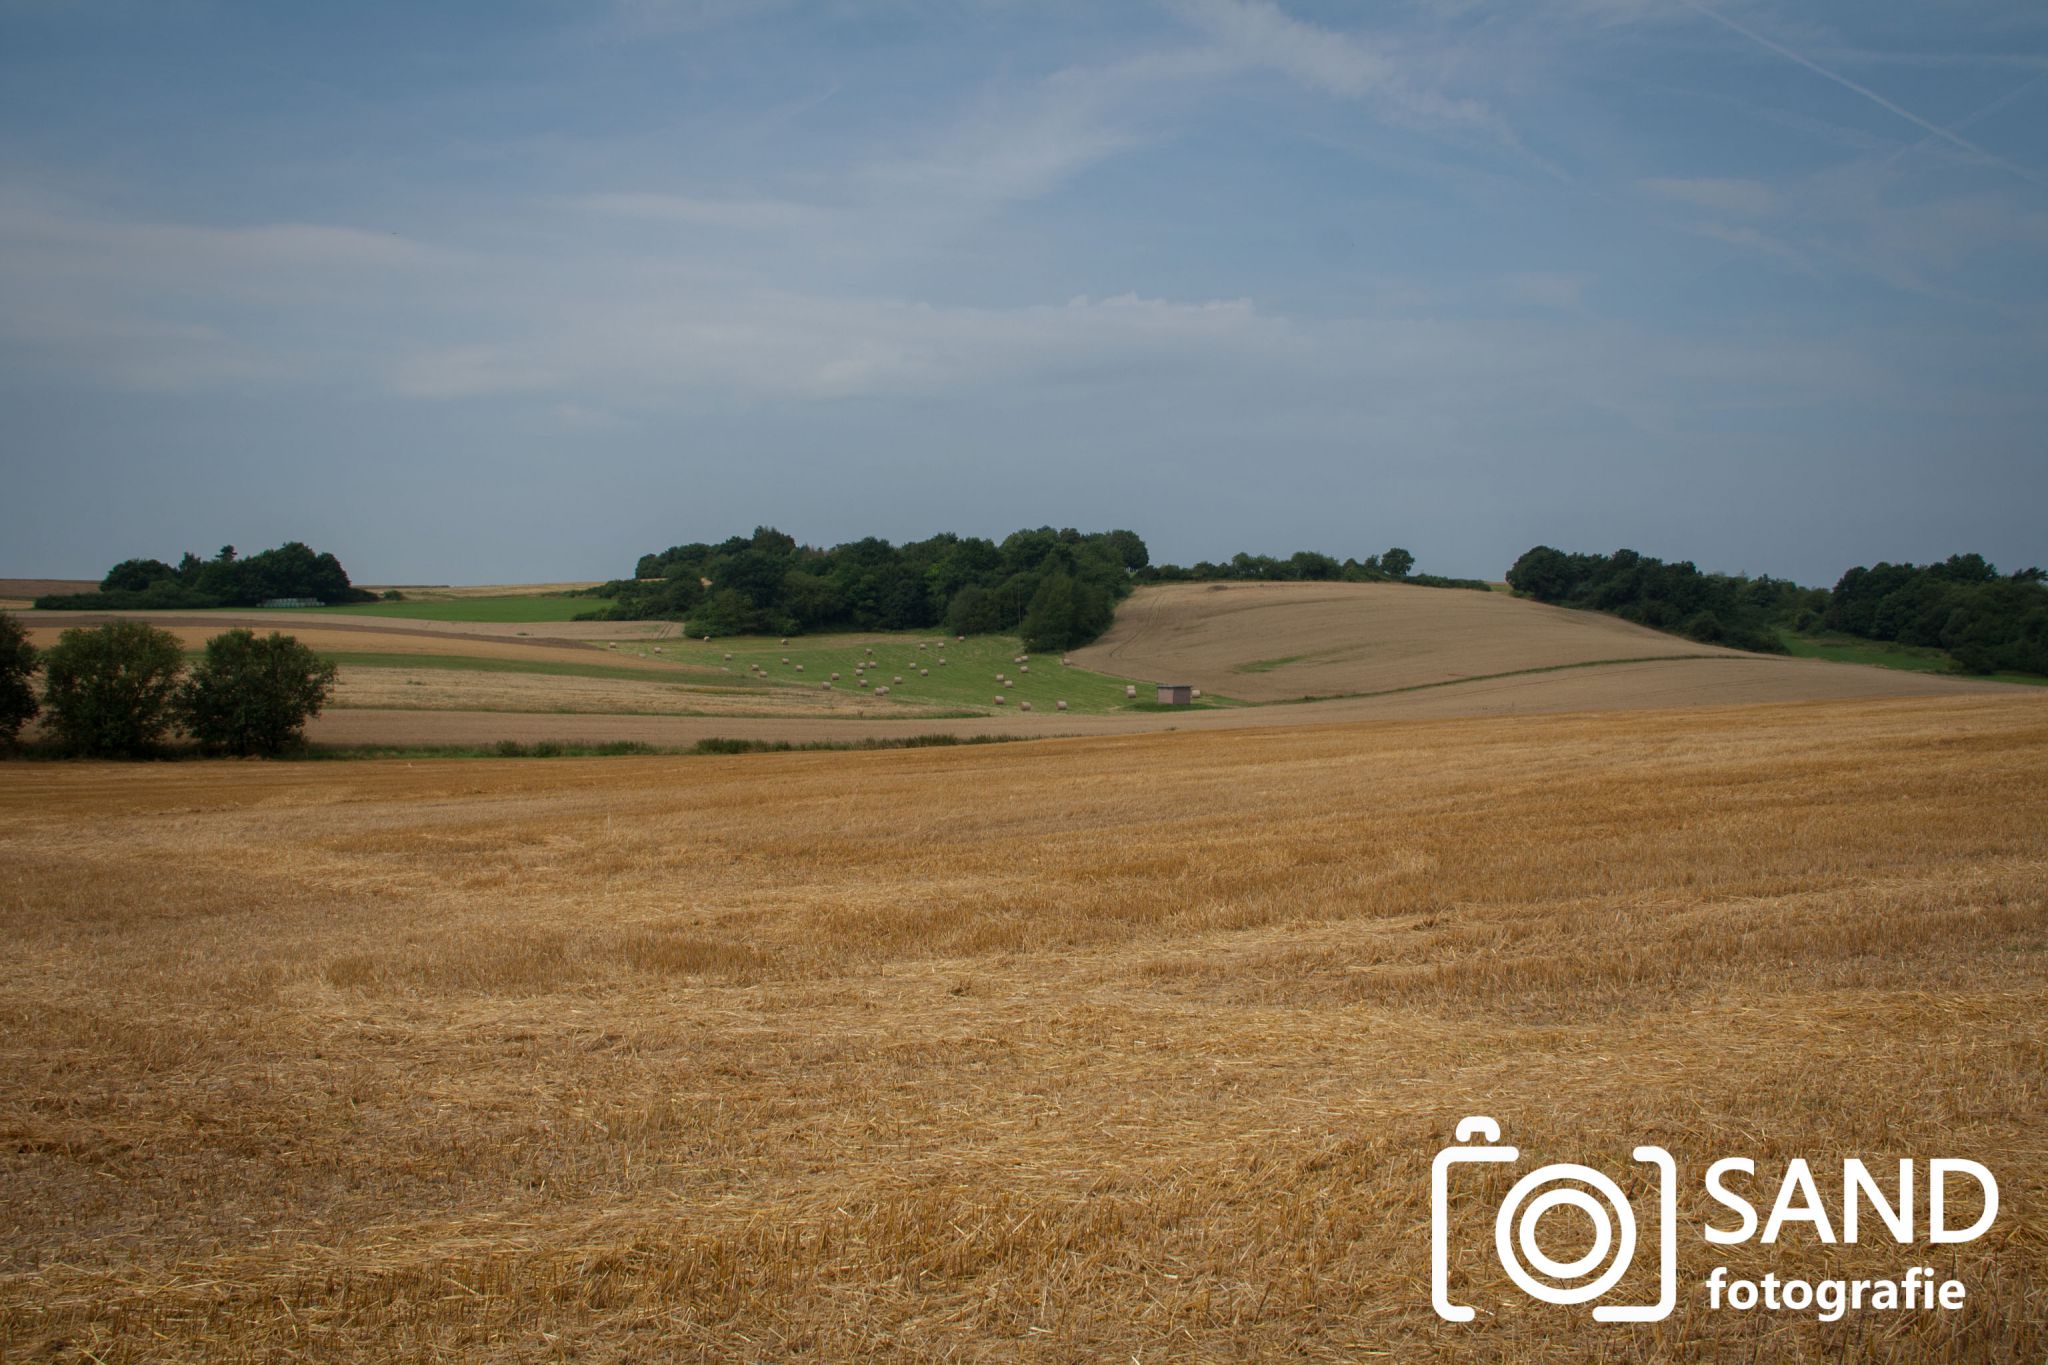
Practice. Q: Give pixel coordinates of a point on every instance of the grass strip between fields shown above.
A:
(501, 610)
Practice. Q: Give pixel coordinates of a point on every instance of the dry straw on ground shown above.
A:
(831, 1056)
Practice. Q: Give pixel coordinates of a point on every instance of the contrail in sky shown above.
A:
(1943, 133)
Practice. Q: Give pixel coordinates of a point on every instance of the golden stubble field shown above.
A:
(1116, 1049)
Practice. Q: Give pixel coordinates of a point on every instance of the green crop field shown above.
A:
(1853, 649)
(496, 609)
(935, 669)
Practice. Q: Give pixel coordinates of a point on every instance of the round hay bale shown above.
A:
(1061, 705)
(881, 691)
(799, 668)
(1130, 691)
(897, 679)
(999, 699)
(1195, 693)
(1023, 706)
(835, 677)
(924, 672)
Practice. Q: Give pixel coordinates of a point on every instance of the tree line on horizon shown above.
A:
(1056, 588)
(293, 569)
(1987, 622)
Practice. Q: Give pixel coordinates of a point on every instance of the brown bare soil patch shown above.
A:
(1278, 641)
(1099, 1050)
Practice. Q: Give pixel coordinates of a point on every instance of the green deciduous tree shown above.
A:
(134, 575)
(110, 690)
(254, 695)
(17, 671)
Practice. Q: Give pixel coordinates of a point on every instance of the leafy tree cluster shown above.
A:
(1057, 588)
(1987, 621)
(18, 703)
(293, 569)
(1395, 565)
(120, 689)
(1718, 609)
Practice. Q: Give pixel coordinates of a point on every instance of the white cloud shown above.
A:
(1257, 33)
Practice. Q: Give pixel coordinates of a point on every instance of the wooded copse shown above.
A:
(1055, 588)
(292, 570)
(1986, 621)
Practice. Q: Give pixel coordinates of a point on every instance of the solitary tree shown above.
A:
(17, 668)
(110, 690)
(254, 696)
(1397, 562)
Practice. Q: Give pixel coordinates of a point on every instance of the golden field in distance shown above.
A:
(1121, 1048)
(1383, 651)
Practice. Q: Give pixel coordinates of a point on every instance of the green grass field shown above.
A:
(966, 678)
(495, 609)
(1853, 649)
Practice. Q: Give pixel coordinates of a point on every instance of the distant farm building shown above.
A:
(1176, 694)
(293, 602)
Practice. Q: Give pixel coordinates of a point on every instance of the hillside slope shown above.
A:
(1283, 641)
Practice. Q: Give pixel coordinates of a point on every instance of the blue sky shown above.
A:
(520, 290)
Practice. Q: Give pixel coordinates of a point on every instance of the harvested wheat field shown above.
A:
(1115, 1049)
(1279, 641)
